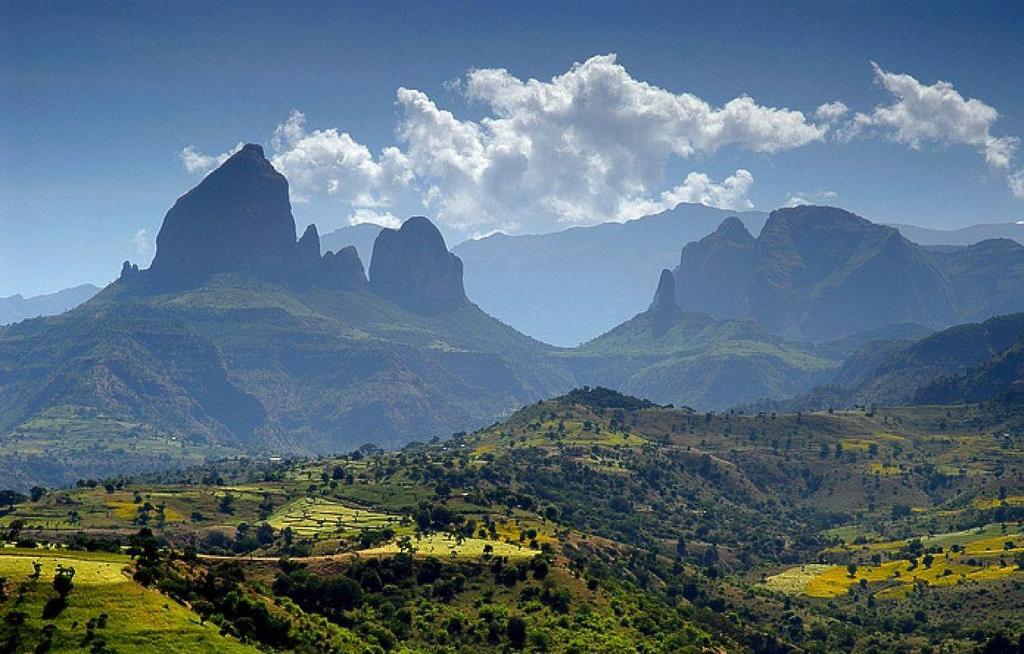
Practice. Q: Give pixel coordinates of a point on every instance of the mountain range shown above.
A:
(821, 273)
(259, 344)
(243, 337)
(15, 307)
(570, 286)
(963, 236)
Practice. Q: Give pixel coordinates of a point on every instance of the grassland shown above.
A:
(443, 545)
(137, 619)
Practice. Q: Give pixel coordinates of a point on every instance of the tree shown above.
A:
(204, 609)
(10, 498)
(851, 568)
(227, 504)
(37, 493)
(516, 631)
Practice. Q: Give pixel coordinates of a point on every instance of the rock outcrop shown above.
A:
(341, 270)
(714, 272)
(413, 268)
(664, 310)
(665, 296)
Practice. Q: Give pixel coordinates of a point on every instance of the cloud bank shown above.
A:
(591, 145)
(587, 146)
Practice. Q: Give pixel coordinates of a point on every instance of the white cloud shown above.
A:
(696, 188)
(818, 197)
(586, 146)
(332, 162)
(831, 111)
(1017, 183)
(386, 219)
(197, 162)
(141, 241)
(934, 114)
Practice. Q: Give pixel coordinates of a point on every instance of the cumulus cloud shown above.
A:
(935, 113)
(831, 111)
(384, 219)
(586, 146)
(1017, 183)
(696, 188)
(332, 162)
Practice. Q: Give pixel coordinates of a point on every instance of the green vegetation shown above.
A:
(591, 522)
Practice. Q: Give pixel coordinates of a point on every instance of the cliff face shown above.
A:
(413, 268)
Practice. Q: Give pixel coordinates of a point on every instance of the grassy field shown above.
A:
(442, 545)
(138, 619)
(976, 555)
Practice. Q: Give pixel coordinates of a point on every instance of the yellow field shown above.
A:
(884, 470)
(442, 545)
(794, 581)
(995, 502)
(828, 581)
(16, 565)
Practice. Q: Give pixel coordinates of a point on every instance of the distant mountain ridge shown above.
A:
(822, 273)
(567, 287)
(16, 307)
(971, 362)
(964, 235)
(668, 355)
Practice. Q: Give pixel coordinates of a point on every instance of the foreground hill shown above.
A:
(821, 273)
(591, 522)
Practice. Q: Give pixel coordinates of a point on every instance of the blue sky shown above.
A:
(98, 101)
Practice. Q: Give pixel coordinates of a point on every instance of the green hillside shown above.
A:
(592, 522)
(133, 381)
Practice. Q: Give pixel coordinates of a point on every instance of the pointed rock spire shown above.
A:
(665, 296)
(309, 244)
(412, 267)
(238, 219)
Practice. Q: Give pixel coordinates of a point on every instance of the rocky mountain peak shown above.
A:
(733, 229)
(238, 219)
(412, 267)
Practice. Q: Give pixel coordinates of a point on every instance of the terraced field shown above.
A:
(308, 516)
